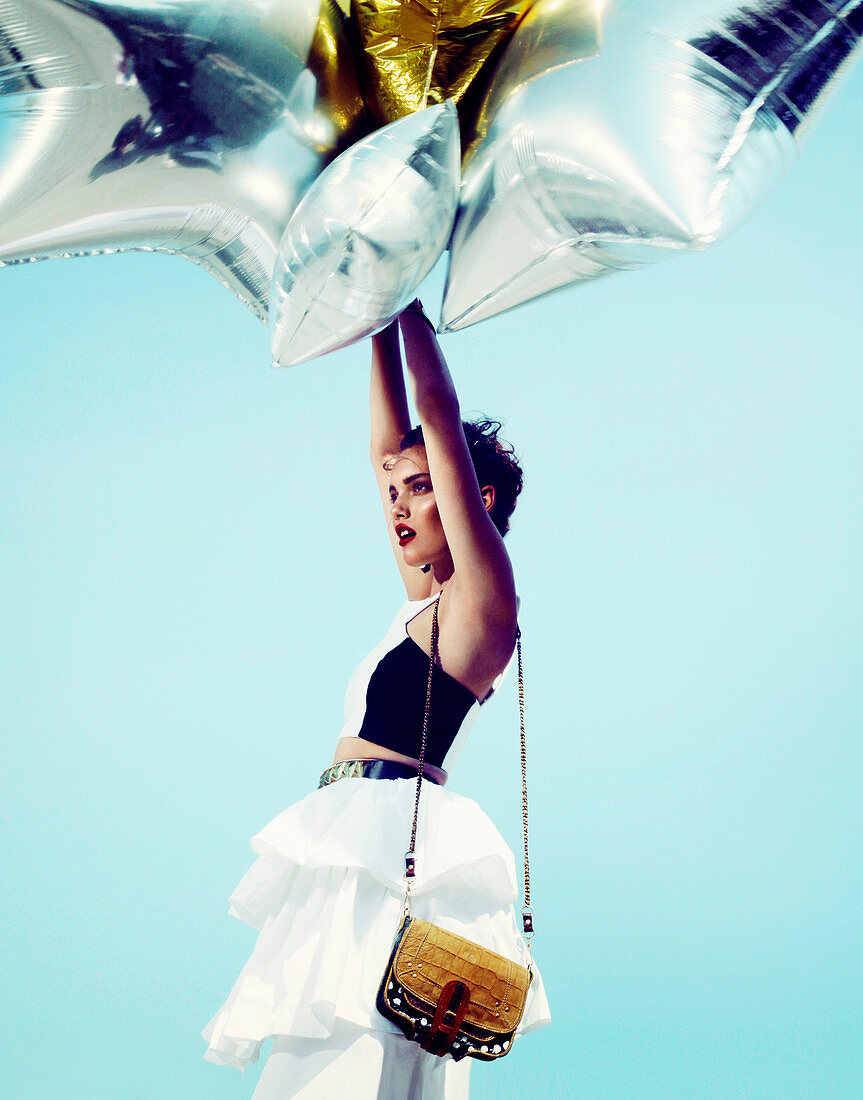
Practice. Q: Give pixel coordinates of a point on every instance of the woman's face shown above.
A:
(414, 513)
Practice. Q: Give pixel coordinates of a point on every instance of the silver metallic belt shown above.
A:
(370, 769)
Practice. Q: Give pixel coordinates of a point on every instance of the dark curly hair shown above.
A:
(494, 461)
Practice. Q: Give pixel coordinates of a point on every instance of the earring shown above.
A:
(425, 568)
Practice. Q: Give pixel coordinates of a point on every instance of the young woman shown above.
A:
(327, 889)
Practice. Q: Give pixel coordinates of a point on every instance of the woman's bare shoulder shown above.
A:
(476, 638)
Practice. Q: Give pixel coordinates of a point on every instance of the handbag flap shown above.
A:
(428, 957)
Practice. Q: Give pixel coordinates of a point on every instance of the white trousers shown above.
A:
(360, 1065)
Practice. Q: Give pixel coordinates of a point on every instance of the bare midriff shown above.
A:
(357, 748)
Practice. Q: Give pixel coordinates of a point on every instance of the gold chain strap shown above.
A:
(526, 912)
(410, 854)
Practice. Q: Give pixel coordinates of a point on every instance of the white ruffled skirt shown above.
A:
(326, 895)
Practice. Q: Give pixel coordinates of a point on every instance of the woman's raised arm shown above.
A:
(482, 590)
(390, 419)
(390, 423)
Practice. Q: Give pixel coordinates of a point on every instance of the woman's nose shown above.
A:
(398, 507)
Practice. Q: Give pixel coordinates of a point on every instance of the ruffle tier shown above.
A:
(326, 896)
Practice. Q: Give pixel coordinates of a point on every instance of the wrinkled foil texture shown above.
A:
(596, 135)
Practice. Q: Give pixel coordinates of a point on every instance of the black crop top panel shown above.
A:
(395, 704)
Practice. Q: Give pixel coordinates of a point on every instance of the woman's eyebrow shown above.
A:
(407, 480)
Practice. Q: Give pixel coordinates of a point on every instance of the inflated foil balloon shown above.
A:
(183, 126)
(658, 138)
(412, 55)
(601, 134)
(365, 236)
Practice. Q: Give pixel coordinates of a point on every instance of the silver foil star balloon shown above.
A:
(661, 135)
(367, 233)
(183, 126)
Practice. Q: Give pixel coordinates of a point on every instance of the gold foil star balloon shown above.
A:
(414, 53)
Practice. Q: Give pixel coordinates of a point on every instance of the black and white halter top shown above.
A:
(385, 699)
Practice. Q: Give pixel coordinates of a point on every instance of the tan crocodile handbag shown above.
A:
(445, 992)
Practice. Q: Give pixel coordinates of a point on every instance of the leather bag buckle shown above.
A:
(451, 1007)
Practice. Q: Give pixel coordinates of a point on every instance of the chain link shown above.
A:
(426, 713)
(527, 911)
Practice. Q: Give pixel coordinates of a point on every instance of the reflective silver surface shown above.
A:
(657, 141)
(365, 236)
(183, 126)
(611, 133)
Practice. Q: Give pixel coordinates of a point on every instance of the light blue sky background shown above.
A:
(192, 560)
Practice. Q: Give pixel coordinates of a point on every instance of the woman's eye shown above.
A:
(421, 486)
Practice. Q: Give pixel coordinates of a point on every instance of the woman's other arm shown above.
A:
(390, 422)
